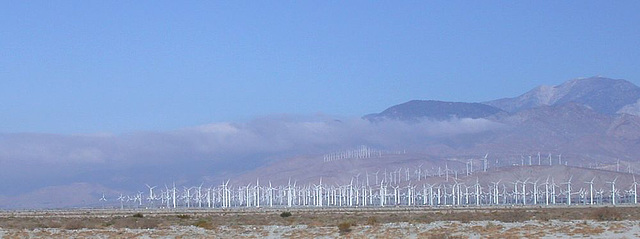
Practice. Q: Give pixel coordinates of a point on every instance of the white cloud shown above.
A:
(219, 146)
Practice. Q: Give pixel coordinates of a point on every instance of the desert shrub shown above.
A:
(492, 226)
(204, 224)
(183, 216)
(125, 222)
(464, 217)
(108, 223)
(74, 224)
(372, 221)
(543, 216)
(606, 214)
(53, 224)
(445, 236)
(285, 214)
(135, 222)
(345, 227)
(147, 223)
(138, 215)
(510, 216)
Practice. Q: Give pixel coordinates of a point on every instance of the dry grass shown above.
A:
(317, 218)
(345, 227)
(372, 221)
(607, 214)
(203, 223)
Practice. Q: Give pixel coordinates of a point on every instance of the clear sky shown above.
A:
(119, 66)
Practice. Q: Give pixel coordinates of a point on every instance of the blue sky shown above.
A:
(74, 67)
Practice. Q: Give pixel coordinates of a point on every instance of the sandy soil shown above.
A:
(518, 222)
(476, 229)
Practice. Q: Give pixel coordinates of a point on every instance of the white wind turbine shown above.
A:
(635, 190)
(478, 189)
(496, 192)
(383, 193)
(376, 176)
(546, 191)
(559, 159)
(591, 190)
(151, 198)
(270, 194)
(524, 192)
(256, 193)
(535, 192)
(174, 196)
(122, 198)
(553, 191)
(103, 200)
(484, 163)
(568, 183)
(515, 191)
(613, 190)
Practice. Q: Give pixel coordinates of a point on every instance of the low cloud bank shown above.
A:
(38, 160)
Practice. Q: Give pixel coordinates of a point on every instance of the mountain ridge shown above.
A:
(434, 110)
(578, 119)
(604, 95)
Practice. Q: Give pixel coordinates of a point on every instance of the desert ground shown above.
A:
(485, 222)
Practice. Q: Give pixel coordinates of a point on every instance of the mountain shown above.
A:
(604, 95)
(584, 128)
(434, 110)
(581, 120)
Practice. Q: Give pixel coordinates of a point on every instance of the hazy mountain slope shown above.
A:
(434, 110)
(568, 123)
(604, 95)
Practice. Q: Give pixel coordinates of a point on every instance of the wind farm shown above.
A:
(530, 183)
(505, 173)
(319, 119)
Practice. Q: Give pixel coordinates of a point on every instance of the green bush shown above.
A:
(139, 215)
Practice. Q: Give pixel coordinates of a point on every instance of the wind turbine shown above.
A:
(559, 159)
(524, 190)
(256, 193)
(151, 197)
(377, 175)
(568, 183)
(535, 192)
(635, 190)
(484, 162)
(122, 198)
(496, 192)
(478, 190)
(613, 190)
(103, 200)
(270, 196)
(546, 191)
(591, 190)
